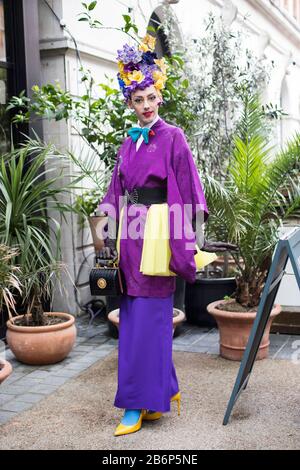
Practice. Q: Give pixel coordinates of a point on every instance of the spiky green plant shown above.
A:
(258, 194)
(31, 186)
(9, 280)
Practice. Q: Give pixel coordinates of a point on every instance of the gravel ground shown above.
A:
(81, 415)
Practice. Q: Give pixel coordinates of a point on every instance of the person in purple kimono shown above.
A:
(154, 170)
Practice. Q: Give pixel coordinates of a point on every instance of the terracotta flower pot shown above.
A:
(39, 345)
(178, 317)
(5, 370)
(235, 328)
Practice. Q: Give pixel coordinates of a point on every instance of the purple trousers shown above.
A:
(146, 373)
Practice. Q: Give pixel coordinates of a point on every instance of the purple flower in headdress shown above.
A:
(148, 57)
(147, 69)
(129, 54)
(131, 67)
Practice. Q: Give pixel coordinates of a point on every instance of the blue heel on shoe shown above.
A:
(131, 417)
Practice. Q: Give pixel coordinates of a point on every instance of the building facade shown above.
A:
(44, 40)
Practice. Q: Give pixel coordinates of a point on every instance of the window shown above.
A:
(162, 46)
(2, 34)
(4, 124)
(12, 66)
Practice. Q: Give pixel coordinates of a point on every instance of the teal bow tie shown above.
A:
(136, 132)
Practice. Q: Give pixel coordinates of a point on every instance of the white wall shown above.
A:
(271, 34)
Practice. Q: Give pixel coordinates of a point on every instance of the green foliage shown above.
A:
(30, 186)
(219, 68)
(87, 203)
(176, 108)
(87, 16)
(258, 194)
(9, 281)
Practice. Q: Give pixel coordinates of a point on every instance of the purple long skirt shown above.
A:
(146, 373)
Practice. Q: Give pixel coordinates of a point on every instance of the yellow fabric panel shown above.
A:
(156, 251)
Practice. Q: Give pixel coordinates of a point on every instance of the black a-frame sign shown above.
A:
(288, 247)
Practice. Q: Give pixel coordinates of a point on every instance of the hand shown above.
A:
(212, 246)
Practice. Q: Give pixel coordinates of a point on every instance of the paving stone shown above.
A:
(14, 389)
(53, 380)
(16, 406)
(32, 397)
(76, 366)
(14, 377)
(179, 347)
(39, 374)
(52, 367)
(75, 354)
(79, 340)
(66, 373)
(44, 389)
(26, 369)
(96, 344)
(5, 397)
(85, 348)
(6, 416)
(27, 382)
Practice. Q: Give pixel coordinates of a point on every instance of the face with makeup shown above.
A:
(145, 104)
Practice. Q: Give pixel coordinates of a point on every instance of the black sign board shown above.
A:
(288, 247)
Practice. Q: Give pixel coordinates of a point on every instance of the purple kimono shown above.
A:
(166, 161)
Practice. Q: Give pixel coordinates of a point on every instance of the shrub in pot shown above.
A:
(39, 337)
(250, 205)
(29, 187)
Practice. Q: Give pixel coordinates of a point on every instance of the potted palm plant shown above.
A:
(8, 282)
(260, 191)
(29, 188)
(39, 337)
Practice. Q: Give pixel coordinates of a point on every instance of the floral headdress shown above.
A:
(139, 67)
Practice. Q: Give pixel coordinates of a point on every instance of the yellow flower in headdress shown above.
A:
(121, 67)
(125, 79)
(136, 76)
(162, 65)
(157, 75)
(159, 84)
(148, 43)
(143, 48)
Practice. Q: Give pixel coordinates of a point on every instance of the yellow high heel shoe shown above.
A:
(158, 414)
(177, 398)
(123, 429)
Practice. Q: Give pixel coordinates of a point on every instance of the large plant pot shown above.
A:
(202, 293)
(5, 370)
(235, 328)
(178, 318)
(39, 345)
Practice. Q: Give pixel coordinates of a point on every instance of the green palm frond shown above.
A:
(259, 192)
(31, 191)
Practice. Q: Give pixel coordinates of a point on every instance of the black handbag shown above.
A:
(107, 279)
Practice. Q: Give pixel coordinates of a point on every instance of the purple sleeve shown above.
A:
(187, 177)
